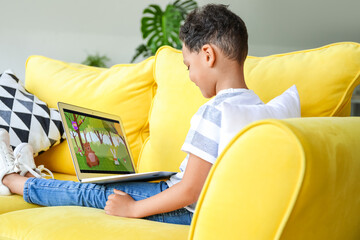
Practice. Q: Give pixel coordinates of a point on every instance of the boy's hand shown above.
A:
(120, 204)
(178, 196)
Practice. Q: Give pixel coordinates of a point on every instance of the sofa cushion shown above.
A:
(14, 203)
(234, 118)
(176, 100)
(125, 90)
(25, 117)
(325, 78)
(83, 223)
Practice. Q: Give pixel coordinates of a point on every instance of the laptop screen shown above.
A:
(98, 143)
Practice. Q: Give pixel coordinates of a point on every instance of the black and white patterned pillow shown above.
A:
(26, 118)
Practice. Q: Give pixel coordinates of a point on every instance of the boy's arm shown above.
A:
(184, 193)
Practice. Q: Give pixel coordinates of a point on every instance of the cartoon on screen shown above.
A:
(99, 144)
(91, 158)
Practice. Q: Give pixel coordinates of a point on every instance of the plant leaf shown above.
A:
(141, 50)
(162, 27)
(96, 60)
(185, 6)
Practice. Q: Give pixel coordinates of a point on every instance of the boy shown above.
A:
(214, 51)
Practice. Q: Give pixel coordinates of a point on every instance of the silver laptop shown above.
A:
(98, 147)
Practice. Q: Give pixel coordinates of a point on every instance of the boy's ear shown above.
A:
(210, 54)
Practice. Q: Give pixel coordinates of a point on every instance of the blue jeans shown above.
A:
(67, 193)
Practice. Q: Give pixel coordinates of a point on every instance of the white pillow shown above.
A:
(234, 118)
(26, 118)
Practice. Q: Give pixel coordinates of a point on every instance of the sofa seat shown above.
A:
(83, 223)
(15, 202)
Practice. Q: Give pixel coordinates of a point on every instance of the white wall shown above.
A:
(69, 29)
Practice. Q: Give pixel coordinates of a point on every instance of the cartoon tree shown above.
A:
(89, 131)
(96, 125)
(99, 135)
(110, 128)
(76, 121)
(90, 136)
(73, 134)
(84, 133)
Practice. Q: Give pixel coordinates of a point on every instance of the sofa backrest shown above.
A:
(325, 78)
(285, 179)
(125, 90)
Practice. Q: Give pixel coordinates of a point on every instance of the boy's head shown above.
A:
(216, 25)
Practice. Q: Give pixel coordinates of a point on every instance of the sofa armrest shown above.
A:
(281, 179)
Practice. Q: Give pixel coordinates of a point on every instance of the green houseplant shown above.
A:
(161, 28)
(96, 60)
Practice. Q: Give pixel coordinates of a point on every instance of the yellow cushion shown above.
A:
(176, 100)
(125, 90)
(65, 177)
(292, 179)
(16, 202)
(83, 223)
(325, 78)
(13, 203)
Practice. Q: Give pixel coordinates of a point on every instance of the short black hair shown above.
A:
(216, 24)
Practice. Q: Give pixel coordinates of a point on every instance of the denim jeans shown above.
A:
(67, 193)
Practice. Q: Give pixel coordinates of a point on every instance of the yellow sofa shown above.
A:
(277, 179)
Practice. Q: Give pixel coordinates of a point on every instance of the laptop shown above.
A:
(99, 148)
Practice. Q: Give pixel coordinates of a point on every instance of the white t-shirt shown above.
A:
(204, 135)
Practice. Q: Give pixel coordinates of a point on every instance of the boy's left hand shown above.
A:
(120, 204)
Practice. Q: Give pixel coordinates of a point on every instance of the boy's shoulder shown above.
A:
(212, 110)
(236, 96)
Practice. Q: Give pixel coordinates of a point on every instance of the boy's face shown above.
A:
(198, 71)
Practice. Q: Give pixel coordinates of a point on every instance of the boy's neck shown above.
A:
(232, 77)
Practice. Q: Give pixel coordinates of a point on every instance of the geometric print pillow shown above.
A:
(26, 118)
